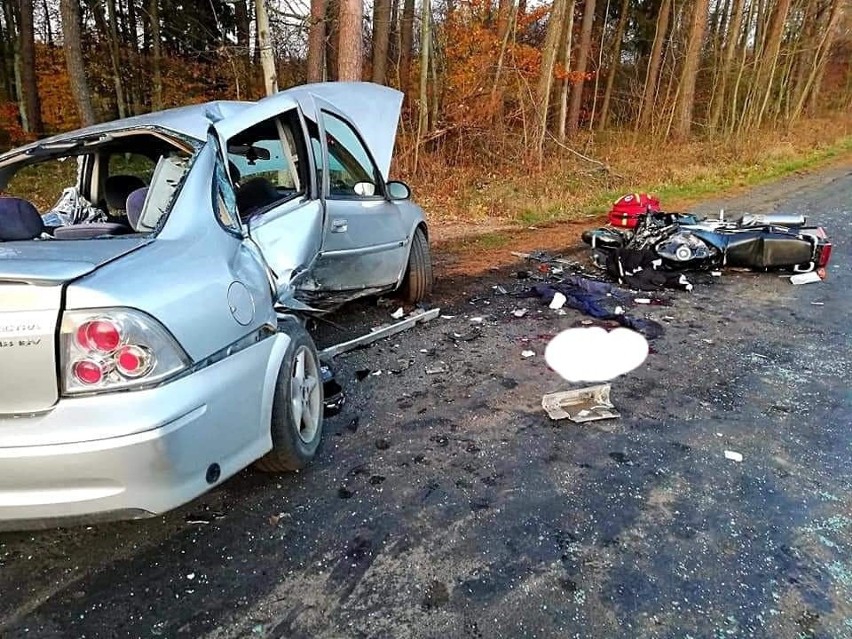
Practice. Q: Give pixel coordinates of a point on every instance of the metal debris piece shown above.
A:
(558, 301)
(519, 312)
(499, 290)
(805, 278)
(436, 370)
(733, 455)
(376, 335)
(398, 313)
(527, 353)
(581, 405)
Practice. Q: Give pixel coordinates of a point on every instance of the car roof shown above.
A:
(188, 122)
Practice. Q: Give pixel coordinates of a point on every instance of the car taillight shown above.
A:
(824, 255)
(113, 349)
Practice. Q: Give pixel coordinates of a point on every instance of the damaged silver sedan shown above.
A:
(152, 338)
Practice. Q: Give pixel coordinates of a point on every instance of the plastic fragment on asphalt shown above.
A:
(580, 405)
(379, 333)
(642, 300)
(817, 303)
(476, 320)
(558, 301)
(499, 290)
(733, 455)
(716, 273)
(805, 278)
(435, 370)
(527, 353)
(519, 312)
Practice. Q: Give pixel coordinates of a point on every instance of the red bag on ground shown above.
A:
(626, 210)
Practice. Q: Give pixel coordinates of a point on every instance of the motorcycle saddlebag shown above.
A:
(626, 210)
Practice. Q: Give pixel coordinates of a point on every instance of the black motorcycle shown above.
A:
(675, 242)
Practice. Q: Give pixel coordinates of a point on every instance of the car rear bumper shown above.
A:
(202, 429)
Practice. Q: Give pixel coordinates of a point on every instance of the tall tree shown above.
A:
(813, 84)
(425, 45)
(350, 22)
(685, 102)
(582, 61)
(71, 42)
(157, 54)
(29, 89)
(555, 26)
(614, 61)
(406, 41)
(115, 54)
(768, 61)
(567, 45)
(381, 39)
(267, 51)
(731, 40)
(652, 75)
(316, 41)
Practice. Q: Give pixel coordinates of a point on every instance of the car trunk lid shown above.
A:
(32, 278)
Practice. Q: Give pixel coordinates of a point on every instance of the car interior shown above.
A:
(106, 196)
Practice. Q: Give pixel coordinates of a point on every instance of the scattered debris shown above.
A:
(642, 300)
(499, 290)
(380, 333)
(817, 303)
(476, 320)
(437, 369)
(716, 273)
(527, 354)
(519, 312)
(581, 405)
(558, 301)
(398, 313)
(805, 278)
(733, 455)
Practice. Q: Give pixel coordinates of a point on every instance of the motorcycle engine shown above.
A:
(684, 247)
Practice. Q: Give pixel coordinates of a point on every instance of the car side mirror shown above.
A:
(398, 190)
(364, 189)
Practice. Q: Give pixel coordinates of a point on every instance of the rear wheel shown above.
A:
(297, 410)
(417, 283)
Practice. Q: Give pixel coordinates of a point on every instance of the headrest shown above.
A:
(135, 202)
(19, 220)
(118, 187)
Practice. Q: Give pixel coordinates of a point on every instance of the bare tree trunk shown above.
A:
(730, 49)
(29, 88)
(381, 39)
(70, 11)
(115, 55)
(682, 123)
(814, 82)
(423, 106)
(316, 41)
(48, 24)
(769, 61)
(267, 53)
(565, 85)
(242, 15)
(649, 93)
(582, 61)
(497, 89)
(350, 22)
(157, 54)
(555, 26)
(614, 62)
(332, 38)
(406, 40)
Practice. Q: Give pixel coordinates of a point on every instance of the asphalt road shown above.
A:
(453, 507)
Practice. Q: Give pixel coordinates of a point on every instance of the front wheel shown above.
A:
(417, 283)
(297, 410)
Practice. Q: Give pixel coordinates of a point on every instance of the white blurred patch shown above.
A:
(595, 354)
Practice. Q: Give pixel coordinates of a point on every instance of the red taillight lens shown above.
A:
(88, 372)
(116, 348)
(824, 255)
(99, 335)
(133, 361)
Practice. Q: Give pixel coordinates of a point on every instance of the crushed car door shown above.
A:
(269, 166)
(364, 239)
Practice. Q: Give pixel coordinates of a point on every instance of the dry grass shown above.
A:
(489, 191)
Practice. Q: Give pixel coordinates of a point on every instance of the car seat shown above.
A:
(117, 188)
(19, 220)
(134, 206)
(255, 194)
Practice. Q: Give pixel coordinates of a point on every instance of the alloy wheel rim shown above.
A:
(305, 395)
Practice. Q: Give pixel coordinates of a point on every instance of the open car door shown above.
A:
(265, 175)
